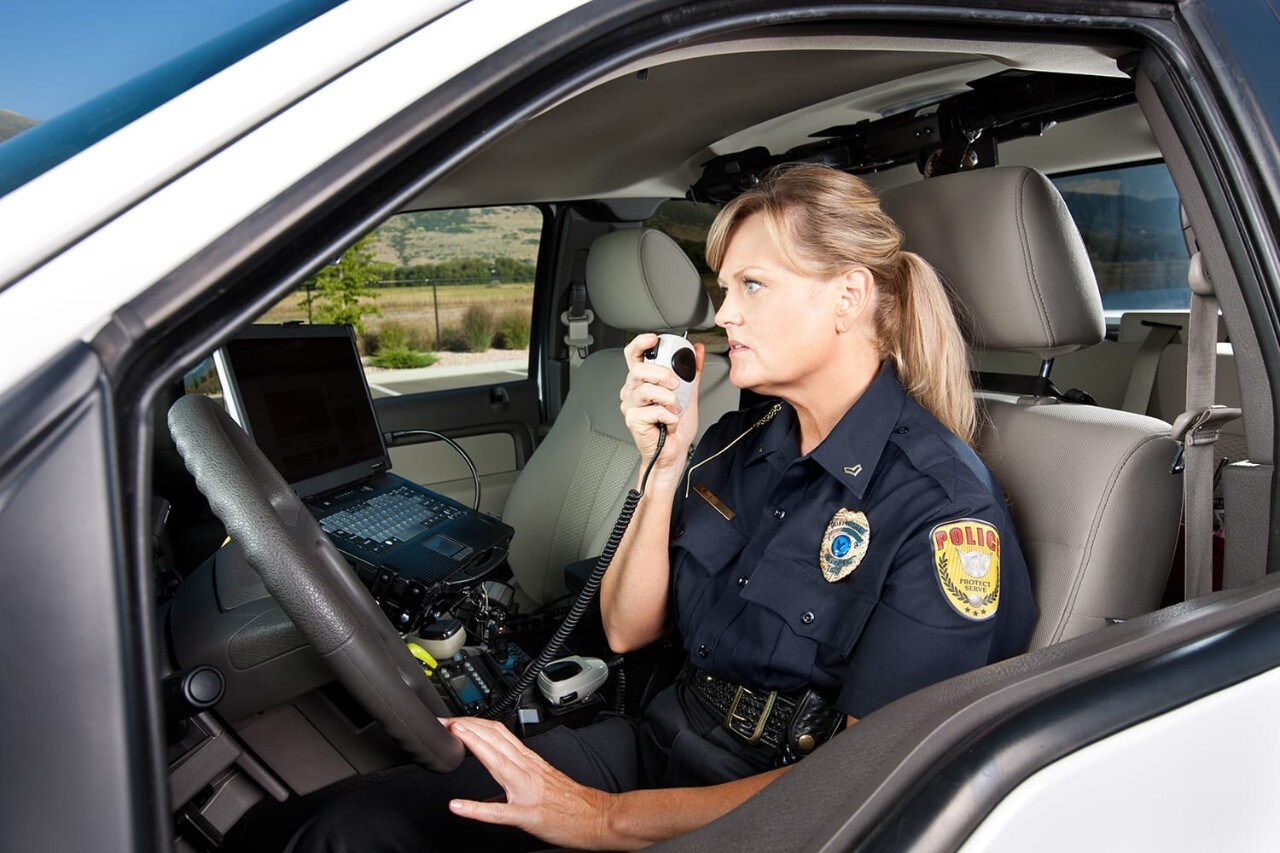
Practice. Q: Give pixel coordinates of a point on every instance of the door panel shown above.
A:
(496, 425)
(70, 730)
(439, 466)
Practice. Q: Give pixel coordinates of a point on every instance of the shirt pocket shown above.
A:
(832, 614)
(709, 539)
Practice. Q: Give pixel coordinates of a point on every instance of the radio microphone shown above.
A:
(676, 353)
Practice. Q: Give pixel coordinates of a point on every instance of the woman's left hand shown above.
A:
(540, 799)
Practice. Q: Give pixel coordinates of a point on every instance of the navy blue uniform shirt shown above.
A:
(926, 577)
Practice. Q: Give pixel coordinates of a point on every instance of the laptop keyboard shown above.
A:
(387, 519)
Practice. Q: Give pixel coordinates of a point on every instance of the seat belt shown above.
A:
(579, 317)
(578, 339)
(1142, 378)
(1197, 431)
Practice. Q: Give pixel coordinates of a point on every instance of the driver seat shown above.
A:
(1089, 489)
(564, 503)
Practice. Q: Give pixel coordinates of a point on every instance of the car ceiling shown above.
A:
(644, 130)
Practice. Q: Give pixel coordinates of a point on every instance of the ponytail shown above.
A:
(927, 347)
(827, 221)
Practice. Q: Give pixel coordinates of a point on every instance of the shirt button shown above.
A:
(679, 531)
(703, 651)
(779, 513)
(807, 617)
(760, 449)
(742, 581)
(902, 430)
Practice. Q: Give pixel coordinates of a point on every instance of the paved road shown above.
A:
(400, 382)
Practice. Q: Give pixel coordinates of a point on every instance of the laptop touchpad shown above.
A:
(442, 544)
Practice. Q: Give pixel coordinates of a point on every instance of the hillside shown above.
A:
(11, 124)
(488, 234)
(1116, 227)
(687, 223)
(435, 236)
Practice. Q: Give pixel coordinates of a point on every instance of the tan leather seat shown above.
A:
(566, 499)
(1089, 488)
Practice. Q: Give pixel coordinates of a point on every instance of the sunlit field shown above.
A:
(416, 307)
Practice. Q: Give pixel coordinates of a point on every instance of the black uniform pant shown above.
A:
(411, 811)
(678, 744)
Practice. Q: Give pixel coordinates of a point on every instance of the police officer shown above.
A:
(821, 555)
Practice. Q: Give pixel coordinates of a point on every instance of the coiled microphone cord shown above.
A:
(503, 707)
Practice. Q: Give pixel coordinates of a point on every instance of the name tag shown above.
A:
(716, 503)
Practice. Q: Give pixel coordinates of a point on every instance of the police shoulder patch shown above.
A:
(966, 558)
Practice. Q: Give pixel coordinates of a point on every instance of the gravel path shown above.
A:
(453, 359)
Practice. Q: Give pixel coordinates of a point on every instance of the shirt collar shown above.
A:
(853, 449)
(779, 442)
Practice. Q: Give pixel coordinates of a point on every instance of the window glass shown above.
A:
(75, 71)
(1130, 223)
(687, 223)
(203, 379)
(439, 299)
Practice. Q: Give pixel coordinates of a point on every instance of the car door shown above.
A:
(467, 281)
(71, 730)
(76, 429)
(450, 317)
(83, 734)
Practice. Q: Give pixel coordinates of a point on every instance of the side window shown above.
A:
(1130, 223)
(687, 223)
(440, 299)
(203, 379)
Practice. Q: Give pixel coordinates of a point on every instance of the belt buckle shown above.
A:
(750, 730)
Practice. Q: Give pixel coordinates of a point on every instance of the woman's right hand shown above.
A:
(648, 399)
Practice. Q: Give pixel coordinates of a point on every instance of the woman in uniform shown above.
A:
(821, 554)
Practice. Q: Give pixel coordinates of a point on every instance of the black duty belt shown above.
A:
(795, 724)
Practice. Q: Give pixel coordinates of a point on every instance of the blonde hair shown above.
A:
(826, 222)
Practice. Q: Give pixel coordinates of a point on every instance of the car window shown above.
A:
(687, 222)
(1129, 219)
(439, 299)
(203, 379)
(75, 71)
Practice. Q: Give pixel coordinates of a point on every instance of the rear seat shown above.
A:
(1106, 371)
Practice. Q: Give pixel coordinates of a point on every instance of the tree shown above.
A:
(338, 293)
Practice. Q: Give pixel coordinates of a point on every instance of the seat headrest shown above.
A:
(639, 279)
(1005, 242)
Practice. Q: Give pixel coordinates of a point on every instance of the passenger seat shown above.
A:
(565, 501)
(1114, 374)
(1090, 491)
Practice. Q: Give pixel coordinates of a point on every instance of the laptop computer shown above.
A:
(301, 393)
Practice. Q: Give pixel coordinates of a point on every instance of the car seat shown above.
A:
(1090, 490)
(566, 499)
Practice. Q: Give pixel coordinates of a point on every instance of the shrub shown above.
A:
(452, 340)
(395, 335)
(513, 331)
(392, 336)
(402, 357)
(420, 338)
(478, 328)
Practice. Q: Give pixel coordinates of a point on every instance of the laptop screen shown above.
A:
(302, 395)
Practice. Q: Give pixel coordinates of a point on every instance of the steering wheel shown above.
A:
(311, 581)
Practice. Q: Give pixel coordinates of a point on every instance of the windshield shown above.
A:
(75, 71)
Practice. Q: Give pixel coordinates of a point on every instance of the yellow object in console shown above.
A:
(421, 654)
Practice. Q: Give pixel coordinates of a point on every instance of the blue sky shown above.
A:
(57, 54)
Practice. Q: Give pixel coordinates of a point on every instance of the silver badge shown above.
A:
(845, 544)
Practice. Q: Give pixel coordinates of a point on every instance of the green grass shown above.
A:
(401, 357)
